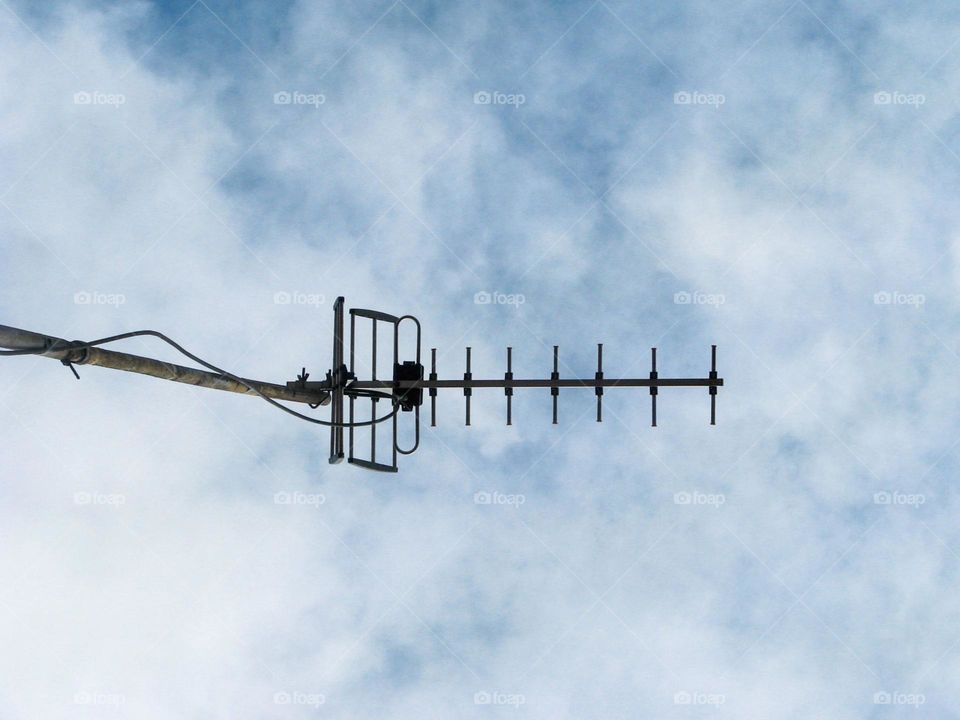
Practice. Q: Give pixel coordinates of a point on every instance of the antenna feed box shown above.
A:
(409, 397)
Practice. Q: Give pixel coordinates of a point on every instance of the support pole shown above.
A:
(59, 349)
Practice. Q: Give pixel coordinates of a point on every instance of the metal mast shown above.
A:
(76, 353)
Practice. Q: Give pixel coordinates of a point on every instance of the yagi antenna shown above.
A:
(343, 386)
(404, 390)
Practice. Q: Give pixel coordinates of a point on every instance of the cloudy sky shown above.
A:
(777, 178)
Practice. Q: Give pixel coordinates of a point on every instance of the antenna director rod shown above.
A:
(539, 383)
(60, 349)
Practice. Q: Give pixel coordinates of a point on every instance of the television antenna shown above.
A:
(343, 387)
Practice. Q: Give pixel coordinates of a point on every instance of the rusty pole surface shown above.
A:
(16, 339)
